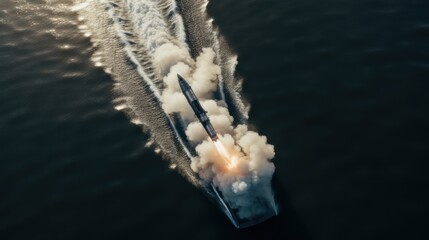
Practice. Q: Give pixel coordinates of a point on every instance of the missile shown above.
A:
(199, 111)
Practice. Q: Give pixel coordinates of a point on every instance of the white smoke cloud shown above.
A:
(250, 180)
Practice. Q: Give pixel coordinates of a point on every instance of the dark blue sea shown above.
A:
(338, 87)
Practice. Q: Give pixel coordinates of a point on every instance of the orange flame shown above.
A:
(231, 161)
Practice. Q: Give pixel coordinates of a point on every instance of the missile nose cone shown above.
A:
(183, 84)
(180, 78)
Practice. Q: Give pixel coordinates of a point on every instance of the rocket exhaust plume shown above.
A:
(231, 161)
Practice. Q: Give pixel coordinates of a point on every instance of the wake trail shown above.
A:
(131, 49)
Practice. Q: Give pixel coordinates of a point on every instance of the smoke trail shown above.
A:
(158, 32)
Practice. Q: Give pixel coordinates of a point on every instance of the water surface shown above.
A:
(338, 87)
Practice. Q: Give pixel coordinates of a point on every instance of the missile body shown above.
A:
(199, 111)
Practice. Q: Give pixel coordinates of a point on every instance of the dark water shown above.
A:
(339, 87)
